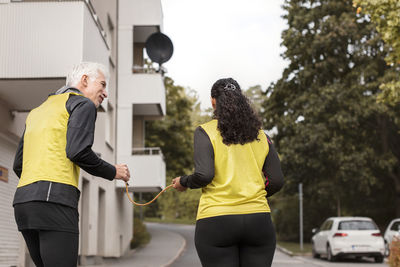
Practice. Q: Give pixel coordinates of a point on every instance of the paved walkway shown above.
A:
(164, 248)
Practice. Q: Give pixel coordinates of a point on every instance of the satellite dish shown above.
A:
(159, 47)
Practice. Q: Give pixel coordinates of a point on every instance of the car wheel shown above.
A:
(379, 259)
(387, 250)
(329, 256)
(314, 252)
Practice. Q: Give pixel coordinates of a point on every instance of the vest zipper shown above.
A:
(48, 192)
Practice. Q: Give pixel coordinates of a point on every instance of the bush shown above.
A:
(140, 235)
(285, 216)
(394, 257)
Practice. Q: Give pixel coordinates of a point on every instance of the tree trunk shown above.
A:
(397, 203)
(396, 179)
(390, 143)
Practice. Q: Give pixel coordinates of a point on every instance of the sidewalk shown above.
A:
(164, 248)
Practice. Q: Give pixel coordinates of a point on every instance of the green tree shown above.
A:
(200, 116)
(174, 135)
(256, 96)
(386, 16)
(330, 128)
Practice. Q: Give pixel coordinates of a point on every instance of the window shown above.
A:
(395, 226)
(141, 62)
(111, 38)
(138, 57)
(110, 126)
(357, 225)
(322, 226)
(329, 225)
(138, 132)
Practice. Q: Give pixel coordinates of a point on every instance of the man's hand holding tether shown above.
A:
(122, 172)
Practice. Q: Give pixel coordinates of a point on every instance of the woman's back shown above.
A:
(238, 183)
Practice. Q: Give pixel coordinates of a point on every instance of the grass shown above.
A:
(176, 221)
(295, 247)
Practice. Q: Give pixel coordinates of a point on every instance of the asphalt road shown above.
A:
(189, 256)
(283, 260)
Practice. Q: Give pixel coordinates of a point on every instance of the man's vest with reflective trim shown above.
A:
(45, 140)
(238, 184)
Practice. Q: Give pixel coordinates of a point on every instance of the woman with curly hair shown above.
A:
(237, 167)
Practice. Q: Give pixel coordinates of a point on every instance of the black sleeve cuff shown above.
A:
(184, 180)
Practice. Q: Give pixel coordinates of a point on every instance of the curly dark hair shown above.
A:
(238, 123)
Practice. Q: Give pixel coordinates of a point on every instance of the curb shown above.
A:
(178, 254)
(284, 250)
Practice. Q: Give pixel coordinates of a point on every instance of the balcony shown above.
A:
(147, 168)
(140, 87)
(41, 44)
(146, 92)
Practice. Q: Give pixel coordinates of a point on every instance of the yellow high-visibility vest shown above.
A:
(45, 140)
(238, 184)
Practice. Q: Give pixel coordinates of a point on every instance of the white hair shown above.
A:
(91, 69)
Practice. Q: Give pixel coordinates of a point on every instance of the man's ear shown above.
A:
(84, 80)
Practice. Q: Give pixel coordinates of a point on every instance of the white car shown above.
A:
(392, 230)
(348, 236)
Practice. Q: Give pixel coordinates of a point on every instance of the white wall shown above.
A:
(94, 48)
(12, 248)
(118, 209)
(141, 12)
(40, 39)
(9, 237)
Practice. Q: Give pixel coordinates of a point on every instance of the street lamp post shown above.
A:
(301, 214)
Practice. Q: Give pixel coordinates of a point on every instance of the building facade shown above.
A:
(40, 42)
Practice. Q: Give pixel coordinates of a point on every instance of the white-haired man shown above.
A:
(57, 141)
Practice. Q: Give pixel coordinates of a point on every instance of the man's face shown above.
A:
(96, 90)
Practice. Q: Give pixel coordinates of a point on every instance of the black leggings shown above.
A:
(236, 240)
(52, 248)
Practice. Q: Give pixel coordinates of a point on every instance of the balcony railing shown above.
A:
(148, 170)
(147, 151)
(143, 69)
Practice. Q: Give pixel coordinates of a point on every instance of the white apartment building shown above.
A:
(40, 40)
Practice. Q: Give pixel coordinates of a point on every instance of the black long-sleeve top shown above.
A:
(80, 137)
(204, 165)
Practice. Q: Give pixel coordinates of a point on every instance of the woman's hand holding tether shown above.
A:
(177, 184)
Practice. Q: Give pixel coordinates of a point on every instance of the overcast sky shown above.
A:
(224, 38)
